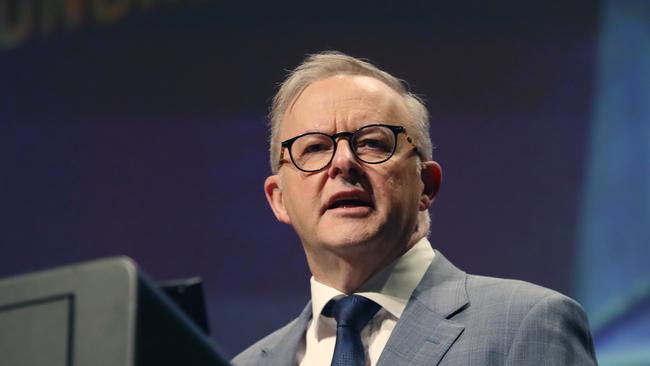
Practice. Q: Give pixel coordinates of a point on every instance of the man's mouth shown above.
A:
(350, 201)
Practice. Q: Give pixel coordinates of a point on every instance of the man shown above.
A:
(354, 176)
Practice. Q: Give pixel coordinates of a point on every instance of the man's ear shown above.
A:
(273, 191)
(431, 175)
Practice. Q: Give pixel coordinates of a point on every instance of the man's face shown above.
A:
(349, 206)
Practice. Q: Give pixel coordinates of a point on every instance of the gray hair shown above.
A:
(330, 63)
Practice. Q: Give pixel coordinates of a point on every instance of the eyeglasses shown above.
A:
(372, 144)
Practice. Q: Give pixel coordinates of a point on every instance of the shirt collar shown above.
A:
(391, 287)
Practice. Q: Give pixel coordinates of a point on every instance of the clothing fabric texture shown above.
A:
(454, 318)
(391, 288)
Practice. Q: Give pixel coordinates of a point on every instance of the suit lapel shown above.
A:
(425, 332)
(282, 351)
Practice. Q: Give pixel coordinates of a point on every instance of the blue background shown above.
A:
(139, 128)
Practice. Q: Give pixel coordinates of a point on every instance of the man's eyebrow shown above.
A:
(313, 130)
(364, 124)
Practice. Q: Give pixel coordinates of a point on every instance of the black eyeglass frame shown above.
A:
(395, 129)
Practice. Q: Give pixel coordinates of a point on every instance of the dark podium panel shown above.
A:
(104, 312)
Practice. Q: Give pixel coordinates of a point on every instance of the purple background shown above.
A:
(147, 137)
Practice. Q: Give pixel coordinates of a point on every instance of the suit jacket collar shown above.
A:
(443, 288)
(423, 334)
(282, 350)
(425, 331)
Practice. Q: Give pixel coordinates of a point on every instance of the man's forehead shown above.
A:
(344, 99)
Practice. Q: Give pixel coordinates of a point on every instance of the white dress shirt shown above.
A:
(391, 288)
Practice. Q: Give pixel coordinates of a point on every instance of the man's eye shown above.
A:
(371, 144)
(315, 148)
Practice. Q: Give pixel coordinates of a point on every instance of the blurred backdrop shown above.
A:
(139, 128)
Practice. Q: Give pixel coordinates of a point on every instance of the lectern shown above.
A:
(99, 313)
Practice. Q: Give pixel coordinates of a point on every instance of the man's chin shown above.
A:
(347, 229)
(349, 237)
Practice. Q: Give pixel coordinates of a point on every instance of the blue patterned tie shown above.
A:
(352, 313)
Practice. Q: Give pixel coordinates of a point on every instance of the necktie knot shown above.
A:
(354, 311)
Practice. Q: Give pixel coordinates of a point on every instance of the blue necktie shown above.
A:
(352, 313)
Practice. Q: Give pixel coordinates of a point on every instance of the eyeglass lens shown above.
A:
(371, 144)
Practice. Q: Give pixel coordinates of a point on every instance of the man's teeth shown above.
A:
(349, 203)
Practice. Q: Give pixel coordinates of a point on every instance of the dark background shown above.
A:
(142, 132)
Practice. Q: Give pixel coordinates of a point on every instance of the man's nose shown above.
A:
(344, 162)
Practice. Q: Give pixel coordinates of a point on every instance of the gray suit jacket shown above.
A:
(454, 318)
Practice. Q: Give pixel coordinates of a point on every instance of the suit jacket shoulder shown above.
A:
(454, 319)
(518, 323)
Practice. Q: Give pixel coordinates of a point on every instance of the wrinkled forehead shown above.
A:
(343, 103)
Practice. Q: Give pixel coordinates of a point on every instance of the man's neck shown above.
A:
(347, 270)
